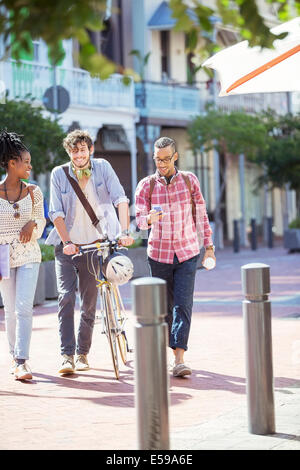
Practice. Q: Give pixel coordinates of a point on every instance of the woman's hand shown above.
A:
(26, 232)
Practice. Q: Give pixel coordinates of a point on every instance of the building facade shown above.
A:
(171, 95)
(124, 121)
(105, 108)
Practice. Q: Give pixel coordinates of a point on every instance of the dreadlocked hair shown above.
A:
(11, 147)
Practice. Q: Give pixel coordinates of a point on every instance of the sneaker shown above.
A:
(23, 372)
(67, 366)
(180, 370)
(13, 367)
(81, 362)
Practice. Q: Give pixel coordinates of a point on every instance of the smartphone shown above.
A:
(157, 208)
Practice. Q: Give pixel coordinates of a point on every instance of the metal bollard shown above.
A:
(253, 235)
(151, 375)
(270, 231)
(259, 367)
(236, 236)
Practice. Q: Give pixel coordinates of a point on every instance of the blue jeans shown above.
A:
(68, 270)
(180, 278)
(18, 294)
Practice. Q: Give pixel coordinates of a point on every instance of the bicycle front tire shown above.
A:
(110, 332)
(121, 338)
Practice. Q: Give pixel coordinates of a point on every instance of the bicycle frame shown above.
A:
(112, 310)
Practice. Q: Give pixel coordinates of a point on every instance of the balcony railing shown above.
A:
(31, 78)
(159, 100)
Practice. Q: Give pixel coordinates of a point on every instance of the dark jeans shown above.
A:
(180, 278)
(67, 273)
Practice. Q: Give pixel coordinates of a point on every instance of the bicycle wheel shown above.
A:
(111, 330)
(121, 337)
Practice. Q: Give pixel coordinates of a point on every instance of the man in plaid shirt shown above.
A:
(177, 234)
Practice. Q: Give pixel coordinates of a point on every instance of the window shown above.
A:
(165, 54)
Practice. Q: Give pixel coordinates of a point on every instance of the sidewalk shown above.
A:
(91, 410)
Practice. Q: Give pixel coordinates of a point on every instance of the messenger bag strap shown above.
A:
(81, 197)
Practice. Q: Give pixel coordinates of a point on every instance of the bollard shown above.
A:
(151, 376)
(236, 236)
(270, 231)
(253, 235)
(259, 367)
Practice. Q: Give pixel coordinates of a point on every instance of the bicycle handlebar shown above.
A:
(98, 246)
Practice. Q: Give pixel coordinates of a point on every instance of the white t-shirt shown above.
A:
(83, 231)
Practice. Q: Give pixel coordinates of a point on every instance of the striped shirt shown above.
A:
(176, 233)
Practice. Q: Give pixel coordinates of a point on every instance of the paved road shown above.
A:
(91, 410)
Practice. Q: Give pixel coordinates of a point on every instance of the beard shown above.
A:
(83, 166)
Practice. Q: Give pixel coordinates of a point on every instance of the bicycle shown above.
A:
(112, 312)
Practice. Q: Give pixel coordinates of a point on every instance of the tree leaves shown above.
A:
(269, 140)
(53, 22)
(243, 15)
(42, 136)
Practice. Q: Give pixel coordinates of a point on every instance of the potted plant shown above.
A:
(49, 267)
(291, 237)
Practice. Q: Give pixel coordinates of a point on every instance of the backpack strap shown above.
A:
(152, 184)
(188, 183)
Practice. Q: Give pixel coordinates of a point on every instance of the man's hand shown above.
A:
(70, 249)
(154, 216)
(26, 232)
(126, 240)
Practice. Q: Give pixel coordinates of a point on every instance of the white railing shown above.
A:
(32, 78)
(167, 100)
(251, 103)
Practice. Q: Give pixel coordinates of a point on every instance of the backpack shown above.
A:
(187, 182)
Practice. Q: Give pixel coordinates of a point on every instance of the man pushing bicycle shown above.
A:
(82, 216)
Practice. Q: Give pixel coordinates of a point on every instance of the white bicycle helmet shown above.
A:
(117, 268)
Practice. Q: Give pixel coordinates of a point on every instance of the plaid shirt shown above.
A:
(176, 232)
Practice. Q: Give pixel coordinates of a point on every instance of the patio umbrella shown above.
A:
(244, 69)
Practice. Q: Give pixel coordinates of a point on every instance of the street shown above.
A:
(92, 410)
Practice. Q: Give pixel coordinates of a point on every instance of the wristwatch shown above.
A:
(125, 232)
(68, 242)
(210, 247)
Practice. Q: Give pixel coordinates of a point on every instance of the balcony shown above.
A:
(250, 103)
(32, 78)
(168, 101)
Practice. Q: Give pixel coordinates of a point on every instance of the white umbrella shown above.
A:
(244, 69)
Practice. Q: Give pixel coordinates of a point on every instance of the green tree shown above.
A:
(42, 136)
(280, 157)
(228, 133)
(54, 21)
(195, 20)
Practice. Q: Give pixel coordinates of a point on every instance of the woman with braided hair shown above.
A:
(21, 224)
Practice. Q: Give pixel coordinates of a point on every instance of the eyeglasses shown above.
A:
(163, 160)
(16, 207)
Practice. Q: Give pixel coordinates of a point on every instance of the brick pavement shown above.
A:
(91, 410)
